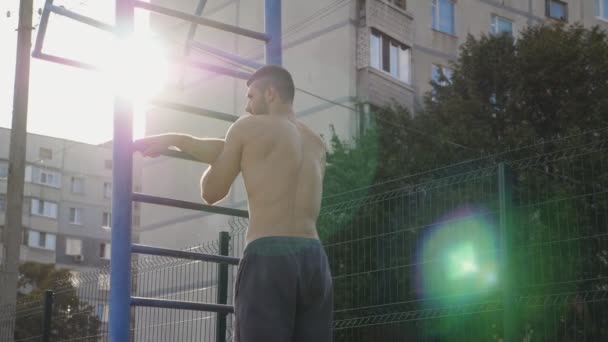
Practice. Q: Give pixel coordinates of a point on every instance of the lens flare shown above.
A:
(458, 259)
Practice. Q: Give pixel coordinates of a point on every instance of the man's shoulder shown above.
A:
(245, 120)
(312, 136)
(244, 126)
(249, 122)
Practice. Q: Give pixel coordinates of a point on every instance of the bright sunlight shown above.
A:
(76, 104)
(135, 67)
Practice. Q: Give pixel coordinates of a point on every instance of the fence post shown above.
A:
(222, 288)
(505, 212)
(48, 315)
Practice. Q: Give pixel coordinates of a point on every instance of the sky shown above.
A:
(64, 102)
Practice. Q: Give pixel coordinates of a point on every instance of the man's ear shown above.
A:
(271, 93)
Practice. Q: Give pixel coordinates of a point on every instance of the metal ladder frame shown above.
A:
(122, 152)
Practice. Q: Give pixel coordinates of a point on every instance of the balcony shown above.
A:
(389, 19)
(381, 89)
(397, 25)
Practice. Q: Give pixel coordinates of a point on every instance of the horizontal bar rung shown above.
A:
(194, 110)
(62, 60)
(216, 68)
(224, 54)
(201, 21)
(174, 253)
(139, 197)
(181, 305)
(81, 18)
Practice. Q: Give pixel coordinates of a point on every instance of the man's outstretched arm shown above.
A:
(205, 150)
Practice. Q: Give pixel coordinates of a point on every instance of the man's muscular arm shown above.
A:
(205, 150)
(216, 181)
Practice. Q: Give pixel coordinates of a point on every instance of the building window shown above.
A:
(45, 153)
(73, 246)
(376, 50)
(442, 75)
(106, 220)
(44, 208)
(389, 55)
(42, 176)
(104, 250)
(77, 185)
(3, 169)
(442, 12)
(108, 164)
(103, 310)
(107, 190)
(398, 3)
(2, 203)
(76, 215)
(601, 9)
(41, 240)
(48, 178)
(501, 25)
(557, 9)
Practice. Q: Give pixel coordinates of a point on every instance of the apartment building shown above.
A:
(67, 202)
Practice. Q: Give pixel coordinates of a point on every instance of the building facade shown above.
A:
(67, 202)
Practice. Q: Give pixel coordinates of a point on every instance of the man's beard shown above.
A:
(262, 108)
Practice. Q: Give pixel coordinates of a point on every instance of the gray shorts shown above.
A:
(283, 292)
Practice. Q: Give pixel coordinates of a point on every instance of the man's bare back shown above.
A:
(282, 163)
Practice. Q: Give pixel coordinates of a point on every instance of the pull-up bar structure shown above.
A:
(121, 299)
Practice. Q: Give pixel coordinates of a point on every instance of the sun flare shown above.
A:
(136, 68)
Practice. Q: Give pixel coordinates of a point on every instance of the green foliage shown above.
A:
(508, 100)
(351, 168)
(549, 83)
(72, 318)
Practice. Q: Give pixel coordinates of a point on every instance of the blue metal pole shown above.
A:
(120, 260)
(272, 22)
(44, 22)
(192, 31)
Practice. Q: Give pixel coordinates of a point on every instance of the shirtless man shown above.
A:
(283, 289)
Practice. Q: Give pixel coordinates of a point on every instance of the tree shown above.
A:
(72, 317)
(504, 95)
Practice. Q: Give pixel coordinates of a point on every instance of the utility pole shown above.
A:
(16, 170)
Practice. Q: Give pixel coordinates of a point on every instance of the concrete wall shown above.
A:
(320, 60)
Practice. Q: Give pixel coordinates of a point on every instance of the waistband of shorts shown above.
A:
(279, 245)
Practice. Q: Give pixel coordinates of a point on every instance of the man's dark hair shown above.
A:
(276, 76)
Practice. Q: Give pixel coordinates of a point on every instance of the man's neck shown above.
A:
(283, 111)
